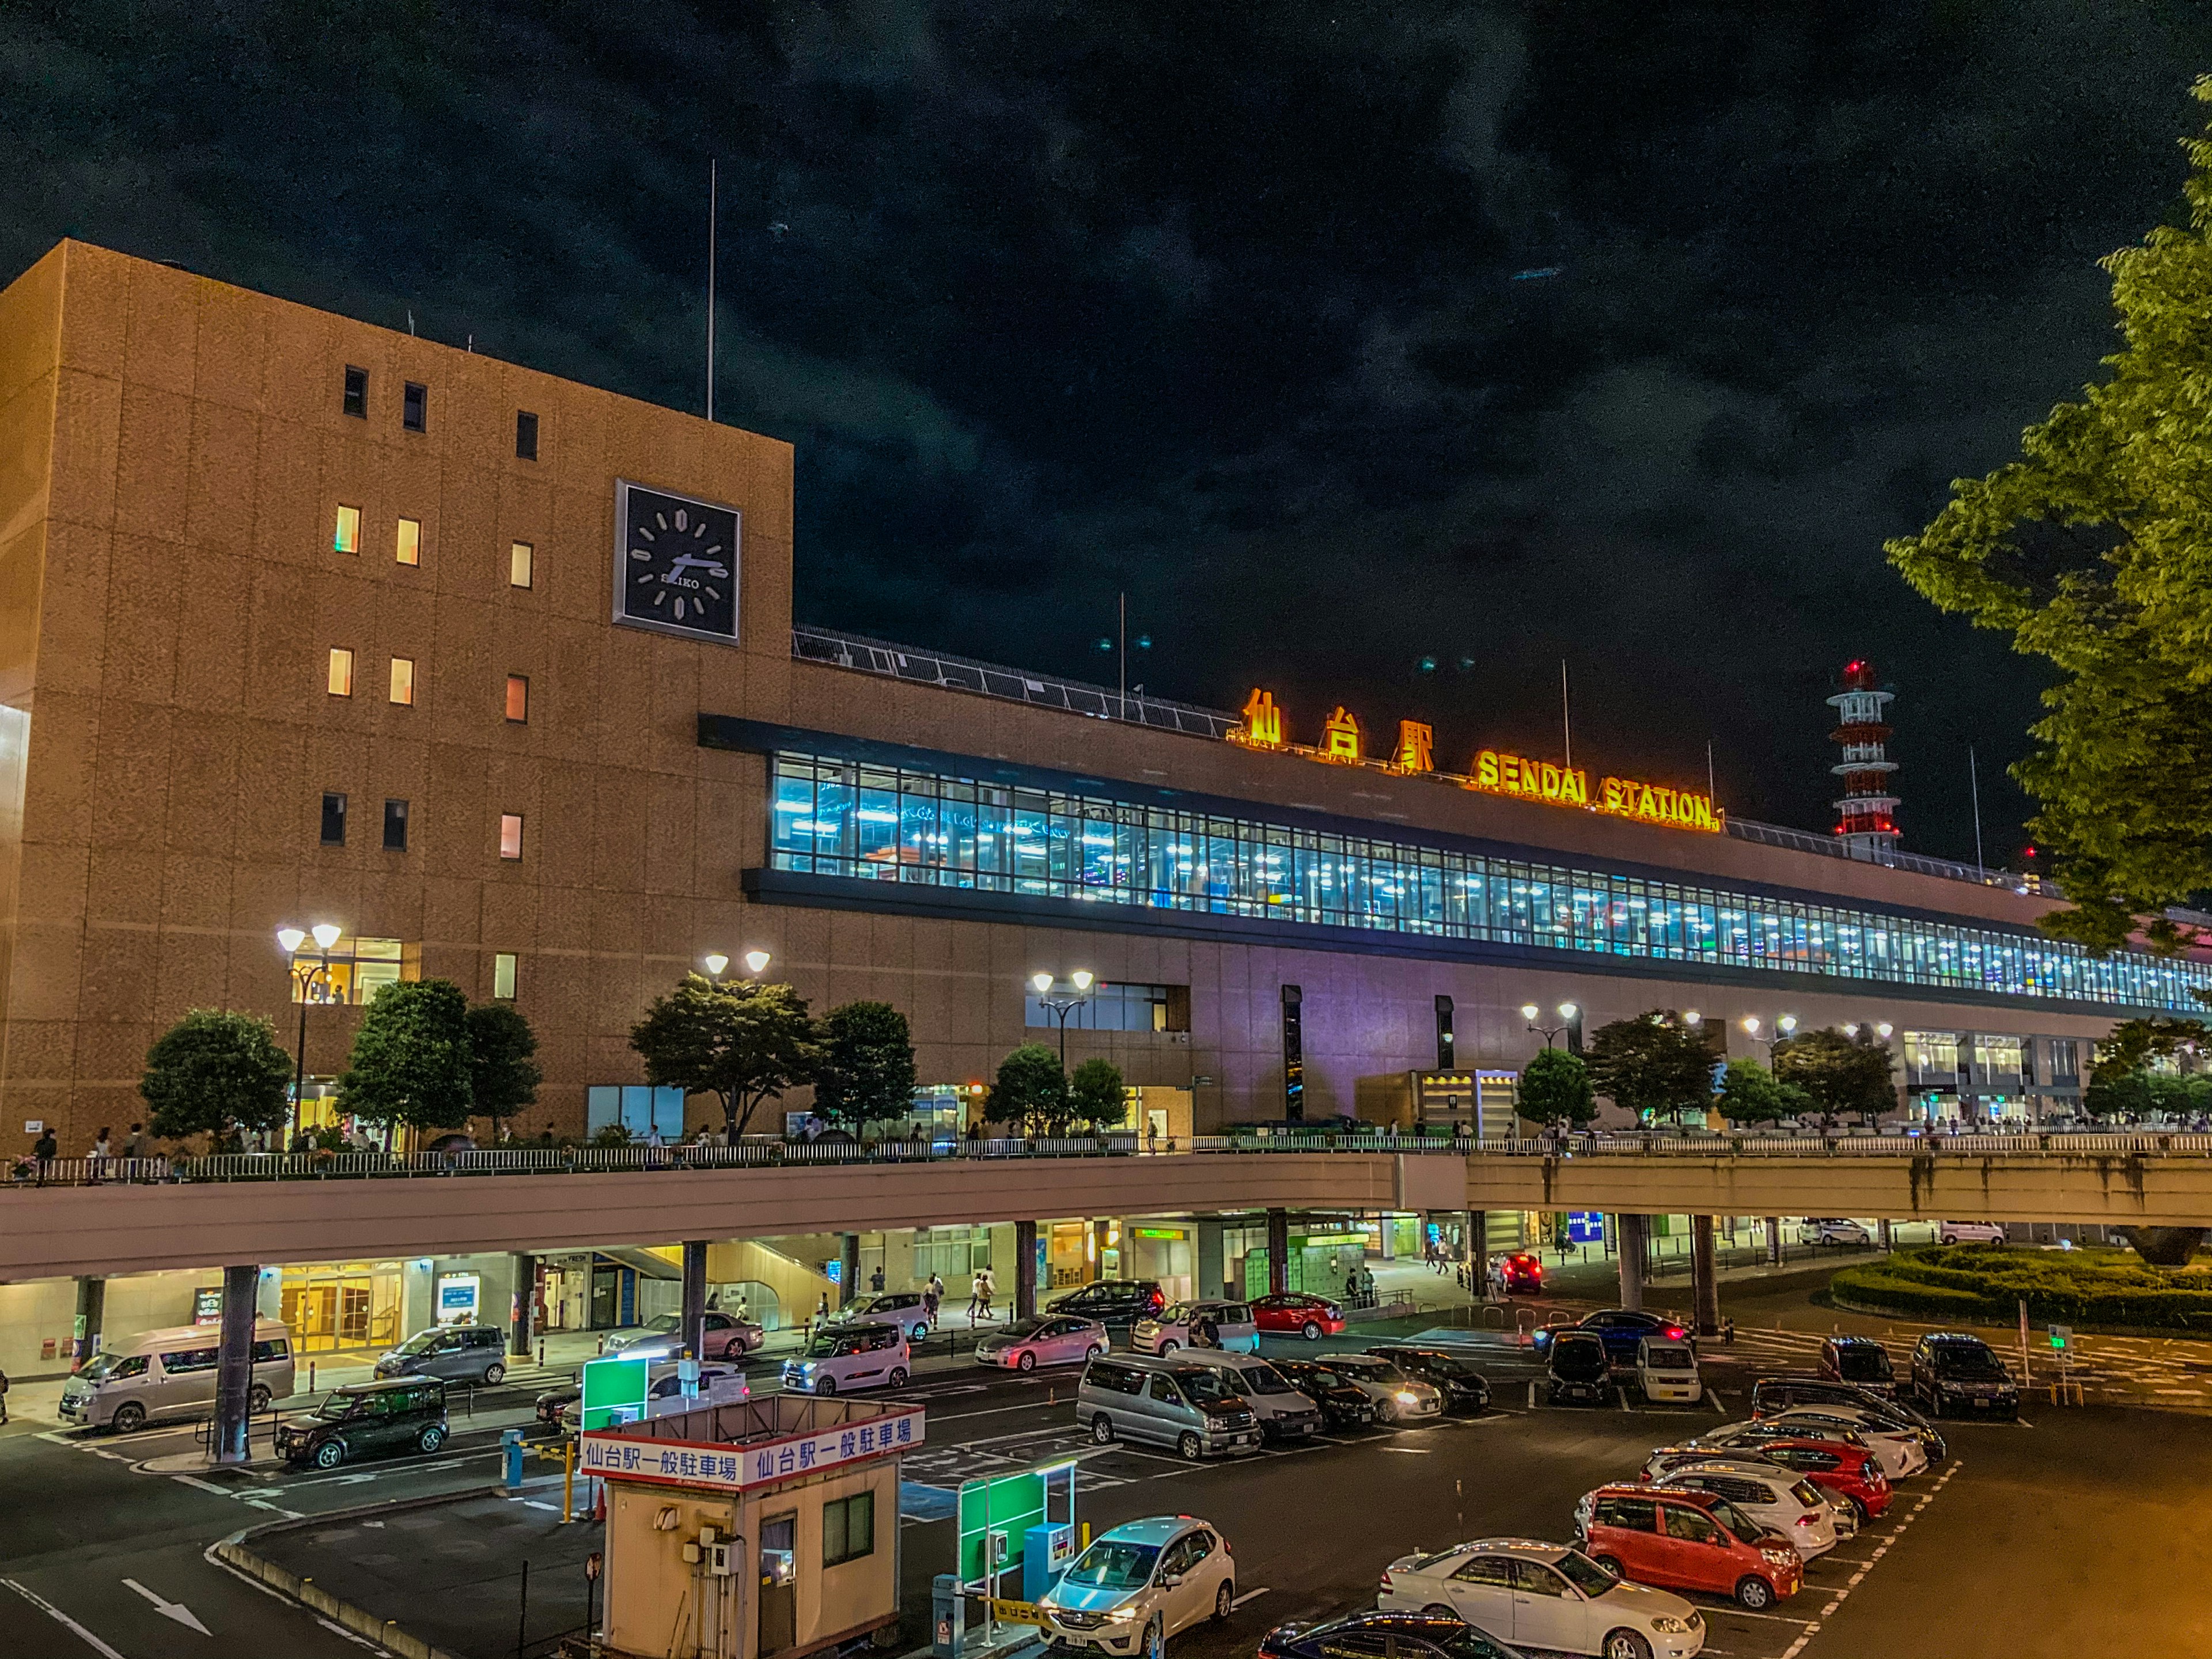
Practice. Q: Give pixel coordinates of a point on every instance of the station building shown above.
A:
(305, 620)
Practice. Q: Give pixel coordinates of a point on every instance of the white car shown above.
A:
(1535, 1595)
(1398, 1398)
(1899, 1451)
(1832, 1230)
(1773, 1497)
(1225, 1325)
(1970, 1232)
(1048, 1339)
(1139, 1584)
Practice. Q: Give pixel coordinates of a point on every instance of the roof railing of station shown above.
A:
(1833, 847)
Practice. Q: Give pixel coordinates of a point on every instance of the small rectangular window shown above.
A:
(341, 671)
(403, 681)
(395, 826)
(347, 539)
(356, 392)
(519, 559)
(409, 550)
(510, 834)
(526, 436)
(518, 697)
(333, 818)
(848, 1529)
(502, 976)
(415, 406)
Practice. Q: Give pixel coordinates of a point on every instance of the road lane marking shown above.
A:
(1746, 1613)
(1411, 1451)
(1249, 1595)
(175, 1610)
(194, 1480)
(62, 1618)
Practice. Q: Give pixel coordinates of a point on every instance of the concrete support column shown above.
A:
(1278, 1252)
(1888, 1238)
(1705, 1281)
(1628, 1230)
(848, 1275)
(1774, 1241)
(1098, 1236)
(233, 1364)
(91, 1312)
(1213, 1268)
(522, 1332)
(693, 1337)
(1478, 1253)
(1025, 1270)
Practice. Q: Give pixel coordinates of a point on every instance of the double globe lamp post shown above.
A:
(1065, 1003)
(757, 964)
(305, 976)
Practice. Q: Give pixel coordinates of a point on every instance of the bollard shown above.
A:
(541, 1353)
(510, 1448)
(311, 1376)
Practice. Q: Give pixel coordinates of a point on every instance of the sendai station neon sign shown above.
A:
(1494, 772)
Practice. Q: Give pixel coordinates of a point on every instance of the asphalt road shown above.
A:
(2050, 1538)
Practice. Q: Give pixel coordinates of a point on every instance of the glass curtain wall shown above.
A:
(834, 818)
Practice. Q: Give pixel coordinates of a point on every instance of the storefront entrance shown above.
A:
(341, 1305)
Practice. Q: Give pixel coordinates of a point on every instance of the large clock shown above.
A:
(676, 563)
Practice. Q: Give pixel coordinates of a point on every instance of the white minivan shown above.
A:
(158, 1374)
(842, 1358)
(1667, 1370)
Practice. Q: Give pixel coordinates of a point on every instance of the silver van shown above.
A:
(475, 1354)
(1181, 1403)
(1282, 1411)
(841, 1357)
(171, 1373)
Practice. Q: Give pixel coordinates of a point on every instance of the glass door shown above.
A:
(778, 1579)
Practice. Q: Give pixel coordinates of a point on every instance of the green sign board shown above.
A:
(1005, 1507)
(614, 1391)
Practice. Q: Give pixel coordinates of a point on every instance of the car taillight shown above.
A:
(1674, 1333)
(1804, 1520)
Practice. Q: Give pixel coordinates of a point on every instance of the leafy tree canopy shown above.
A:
(1555, 1088)
(866, 1072)
(1838, 1071)
(503, 1069)
(1656, 1063)
(2089, 551)
(1030, 1091)
(1096, 1097)
(1750, 1093)
(213, 1073)
(742, 1043)
(2133, 1044)
(411, 1060)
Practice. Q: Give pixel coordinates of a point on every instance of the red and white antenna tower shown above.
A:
(1865, 817)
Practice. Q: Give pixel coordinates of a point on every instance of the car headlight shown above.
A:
(1667, 1624)
(1779, 1557)
(1408, 1397)
(1120, 1615)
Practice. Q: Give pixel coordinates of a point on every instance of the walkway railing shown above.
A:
(768, 1153)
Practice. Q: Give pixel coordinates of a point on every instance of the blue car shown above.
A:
(1620, 1330)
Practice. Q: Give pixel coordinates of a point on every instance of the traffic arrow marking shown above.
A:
(176, 1610)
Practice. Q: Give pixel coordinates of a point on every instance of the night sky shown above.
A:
(1340, 336)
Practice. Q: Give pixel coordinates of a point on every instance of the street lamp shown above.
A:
(1783, 1029)
(756, 962)
(1061, 1006)
(715, 963)
(291, 939)
(1568, 1013)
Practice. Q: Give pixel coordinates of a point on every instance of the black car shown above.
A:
(1580, 1372)
(1343, 1405)
(1953, 1370)
(1403, 1635)
(1621, 1329)
(554, 1401)
(1464, 1388)
(1114, 1301)
(364, 1420)
(1861, 1360)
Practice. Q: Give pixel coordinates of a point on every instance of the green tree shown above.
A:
(503, 1069)
(411, 1062)
(866, 1071)
(1096, 1097)
(1749, 1093)
(1839, 1073)
(1030, 1091)
(1656, 1064)
(215, 1073)
(742, 1043)
(2088, 550)
(2133, 1044)
(1555, 1089)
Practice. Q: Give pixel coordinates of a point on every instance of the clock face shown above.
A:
(676, 563)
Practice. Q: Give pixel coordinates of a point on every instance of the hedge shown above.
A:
(1981, 1282)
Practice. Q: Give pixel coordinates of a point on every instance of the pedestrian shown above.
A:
(974, 1294)
(984, 1292)
(744, 1311)
(4, 1396)
(876, 1279)
(134, 1145)
(933, 1297)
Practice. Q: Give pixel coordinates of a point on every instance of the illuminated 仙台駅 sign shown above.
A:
(1495, 772)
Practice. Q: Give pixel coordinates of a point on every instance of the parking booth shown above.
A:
(751, 1531)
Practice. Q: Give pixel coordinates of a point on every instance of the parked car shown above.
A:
(1953, 1370)
(1283, 1411)
(1684, 1540)
(721, 1383)
(1343, 1404)
(841, 1357)
(1832, 1230)
(142, 1379)
(1861, 1361)
(1970, 1232)
(1407, 1635)
(1519, 1273)
(1901, 1450)
(904, 1308)
(1048, 1339)
(1850, 1473)
(362, 1419)
(1579, 1370)
(475, 1354)
(1225, 1325)
(1784, 1503)
(1164, 1402)
(1296, 1314)
(1544, 1595)
(552, 1403)
(1398, 1398)
(1772, 1395)
(1621, 1329)
(1139, 1584)
(1113, 1301)
(724, 1336)
(1453, 1374)
(1733, 1439)
(1668, 1372)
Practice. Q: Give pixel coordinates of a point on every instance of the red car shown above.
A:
(1678, 1538)
(1519, 1272)
(1855, 1472)
(1296, 1314)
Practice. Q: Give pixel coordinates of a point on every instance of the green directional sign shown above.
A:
(2062, 1338)
(614, 1391)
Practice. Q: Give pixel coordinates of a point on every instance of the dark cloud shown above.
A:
(1339, 336)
